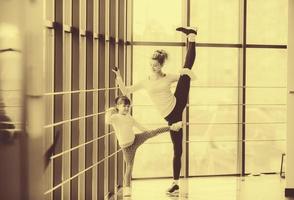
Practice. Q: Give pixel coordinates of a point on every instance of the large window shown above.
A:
(237, 106)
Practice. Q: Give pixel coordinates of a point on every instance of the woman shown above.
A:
(170, 105)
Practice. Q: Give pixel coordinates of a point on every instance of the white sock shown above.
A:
(176, 182)
(191, 37)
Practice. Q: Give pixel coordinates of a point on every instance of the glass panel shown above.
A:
(266, 114)
(218, 20)
(200, 96)
(266, 67)
(207, 158)
(213, 114)
(264, 156)
(216, 66)
(151, 22)
(153, 160)
(266, 131)
(267, 22)
(266, 95)
(213, 132)
(147, 115)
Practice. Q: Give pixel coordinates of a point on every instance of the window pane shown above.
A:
(266, 67)
(213, 114)
(218, 20)
(216, 66)
(266, 114)
(266, 95)
(267, 22)
(213, 132)
(153, 160)
(207, 158)
(147, 115)
(264, 156)
(266, 131)
(213, 96)
(152, 21)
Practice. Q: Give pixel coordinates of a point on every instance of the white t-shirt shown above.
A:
(123, 127)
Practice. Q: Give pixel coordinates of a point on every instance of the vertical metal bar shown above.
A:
(82, 100)
(75, 133)
(95, 101)
(89, 98)
(66, 163)
(49, 100)
(58, 100)
(101, 101)
(121, 66)
(186, 129)
(244, 87)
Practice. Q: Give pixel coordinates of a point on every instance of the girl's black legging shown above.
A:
(181, 94)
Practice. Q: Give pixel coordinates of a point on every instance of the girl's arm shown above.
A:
(108, 115)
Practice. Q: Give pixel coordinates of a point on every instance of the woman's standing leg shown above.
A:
(181, 94)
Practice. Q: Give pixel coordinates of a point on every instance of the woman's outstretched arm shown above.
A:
(126, 89)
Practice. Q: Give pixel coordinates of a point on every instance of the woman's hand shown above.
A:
(116, 71)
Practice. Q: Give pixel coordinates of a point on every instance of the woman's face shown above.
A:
(155, 66)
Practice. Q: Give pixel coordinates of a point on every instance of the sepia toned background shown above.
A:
(56, 83)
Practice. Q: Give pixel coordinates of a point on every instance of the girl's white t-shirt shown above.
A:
(123, 127)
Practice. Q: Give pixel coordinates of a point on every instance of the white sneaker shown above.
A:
(127, 192)
(176, 126)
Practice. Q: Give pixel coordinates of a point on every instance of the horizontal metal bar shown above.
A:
(80, 173)
(219, 141)
(10, 49)
(194, 105)
(14, 90)
(241, 87)
(71, 120)
(267, 46)
(79, 146)
(12, 106)
(79, 91)
(227, 123)
(199, 44)
(15, 130)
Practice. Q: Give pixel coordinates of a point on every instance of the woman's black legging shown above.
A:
(181, 94)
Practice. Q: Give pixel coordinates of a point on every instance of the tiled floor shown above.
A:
(264, 187)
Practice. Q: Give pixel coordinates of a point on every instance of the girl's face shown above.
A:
(155, 66)
(123, 109)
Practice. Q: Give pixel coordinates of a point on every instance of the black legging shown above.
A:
(181, 94)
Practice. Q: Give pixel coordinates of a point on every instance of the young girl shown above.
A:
(123, 124)
(170, 105)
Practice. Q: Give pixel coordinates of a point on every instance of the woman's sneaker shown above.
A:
(173, 190)
(127, 191)
(187, 30)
